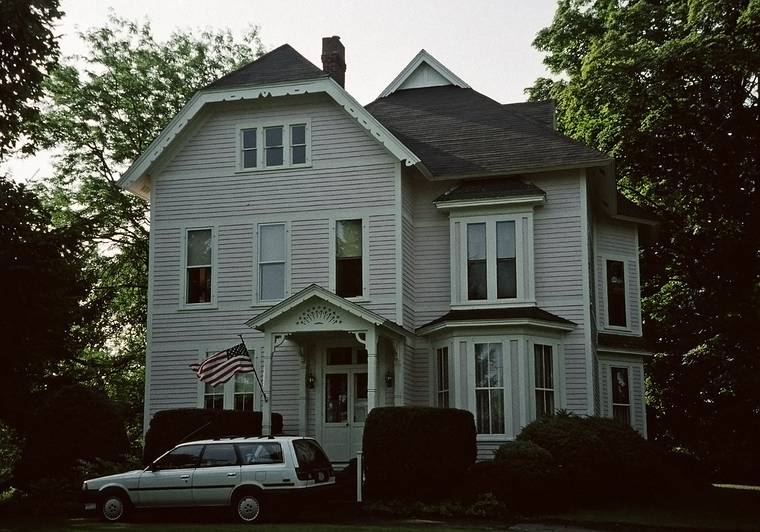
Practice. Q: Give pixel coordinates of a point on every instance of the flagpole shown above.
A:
(255, 374)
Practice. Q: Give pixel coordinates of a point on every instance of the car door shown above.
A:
(217, 474)
(168, 482)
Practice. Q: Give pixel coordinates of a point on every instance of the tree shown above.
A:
(101, 117)
(670, 88)
(43, 292)
(28, 49)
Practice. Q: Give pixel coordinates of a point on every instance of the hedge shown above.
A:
(417, 453)
(171, 427)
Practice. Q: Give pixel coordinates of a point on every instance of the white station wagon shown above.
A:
(242, 473)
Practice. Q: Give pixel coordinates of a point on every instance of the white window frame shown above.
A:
(629, 368)
(557, 375)
(448, 390)
(183, 304)
(524, 260)
(229, 386)
(506, 379)
(606, 317)
(260, 126)
(365, 255)
(257, 269)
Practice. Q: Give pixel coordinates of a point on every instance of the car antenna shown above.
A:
(183, 440)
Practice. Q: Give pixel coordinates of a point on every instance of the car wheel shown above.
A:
(114, 507)
(248, 507)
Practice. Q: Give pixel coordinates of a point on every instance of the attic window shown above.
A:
(270, 146)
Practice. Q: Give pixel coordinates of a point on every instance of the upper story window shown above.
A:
(199, 256)
(272, 277)
(349, 260)
(492, 259)
(265, 146)
(616, 291)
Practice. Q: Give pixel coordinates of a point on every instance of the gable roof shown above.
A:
(281, 65)
(423, 71)
(459, 132)
(540, 112)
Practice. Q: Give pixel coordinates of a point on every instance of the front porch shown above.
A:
(350, 360)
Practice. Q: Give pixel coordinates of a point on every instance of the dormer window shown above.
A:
(269, 146)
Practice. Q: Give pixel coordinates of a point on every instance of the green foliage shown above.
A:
(105, 109)
(28, 49)
(70, 424)
(44, 292)
(172, 427)
(417, 453)
(10, 452)
(526, 475)
(671, 89)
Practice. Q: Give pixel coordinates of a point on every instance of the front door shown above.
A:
(344, 402)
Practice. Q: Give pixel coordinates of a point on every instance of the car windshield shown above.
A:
(310, 455)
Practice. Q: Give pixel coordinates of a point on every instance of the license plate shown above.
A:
(89, 506)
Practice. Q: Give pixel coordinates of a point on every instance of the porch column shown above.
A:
(266, 409)
(371, 345)
(302, 391)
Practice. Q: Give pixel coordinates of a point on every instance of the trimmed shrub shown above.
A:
(525, 475)
(171, 427)
(417, 453)
(71, 424)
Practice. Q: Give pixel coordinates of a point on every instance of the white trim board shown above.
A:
(437, 76)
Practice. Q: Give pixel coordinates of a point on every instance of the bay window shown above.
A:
(442, 370)
(543, 365)
(621, 397)
(489, 388)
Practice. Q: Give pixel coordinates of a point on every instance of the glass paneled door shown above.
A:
(344, 398)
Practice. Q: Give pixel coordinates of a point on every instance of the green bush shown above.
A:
(597, 458)
(71, 424)
(525, 475)
(417, 453)
(171, 427)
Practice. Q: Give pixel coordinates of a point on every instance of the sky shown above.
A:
(487, 43)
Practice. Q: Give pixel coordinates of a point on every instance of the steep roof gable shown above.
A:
(423, 71)
(283, 64)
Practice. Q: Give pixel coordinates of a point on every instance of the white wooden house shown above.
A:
(434, 247)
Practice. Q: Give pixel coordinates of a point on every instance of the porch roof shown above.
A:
(312, 292)
(497, 316)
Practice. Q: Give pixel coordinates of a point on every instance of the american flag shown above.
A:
(220, 368)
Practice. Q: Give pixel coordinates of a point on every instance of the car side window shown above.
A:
(181, 458)
(309, 454)
(216, 455)
(261, 453)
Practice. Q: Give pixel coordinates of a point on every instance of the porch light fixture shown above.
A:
(389, 379)
(310, 380)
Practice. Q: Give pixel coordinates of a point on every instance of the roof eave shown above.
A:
(510, 322)
(532, 199)
(608, 162)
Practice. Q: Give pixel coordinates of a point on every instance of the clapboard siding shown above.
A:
(408, 252)
(310, 253)
(618, 241)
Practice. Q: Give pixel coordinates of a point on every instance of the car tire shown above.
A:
(113, 507)
(248, 507)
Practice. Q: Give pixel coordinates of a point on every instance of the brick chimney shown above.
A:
(334, 59)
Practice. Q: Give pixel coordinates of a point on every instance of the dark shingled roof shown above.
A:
(281, 65)
(626, 207)
(540, 112)
(456, 131)
(618, 341)
(491, 188)
(534, 313)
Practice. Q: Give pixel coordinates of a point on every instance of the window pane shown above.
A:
(476, 280)
(274, 157)
(505, 240)
(249, 138)
(622, 413)
(273, 136)
(199, 247)
(476, 241)
(218, 455)
(260, 453)
(616, 293)
(249, 159)
(336, 398)
(244, 401)
(481, 365)
(244, 382)
(348, 238)
(299, 155)
(620, 386)
(497, 411)
(348, 277)
(495, 365)
(214, 402)
(539, 363)
(506, 278)
(298, 134)
(272, 243)
(272, 279)
(198, 285)
(482, 412)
